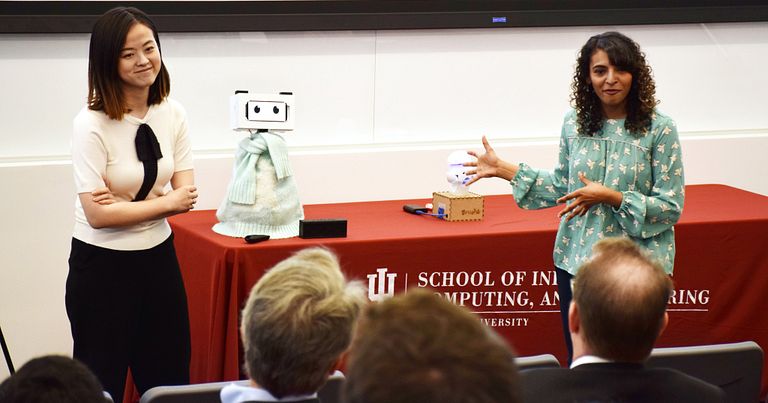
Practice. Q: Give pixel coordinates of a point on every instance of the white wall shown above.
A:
(378, 113)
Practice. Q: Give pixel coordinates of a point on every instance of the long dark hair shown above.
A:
(107, 40)
(625, 54)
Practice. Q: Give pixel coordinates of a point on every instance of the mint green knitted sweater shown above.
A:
(262, 197)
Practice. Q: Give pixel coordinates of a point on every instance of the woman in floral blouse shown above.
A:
(620, 171)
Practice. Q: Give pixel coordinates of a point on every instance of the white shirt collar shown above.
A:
(588, 359)
(234, 393)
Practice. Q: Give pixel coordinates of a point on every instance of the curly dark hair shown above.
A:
(625, 54)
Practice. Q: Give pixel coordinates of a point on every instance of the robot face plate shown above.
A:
(261, 111)
(266, 111)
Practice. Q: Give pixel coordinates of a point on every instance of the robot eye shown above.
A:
(275, 110)
(256, 109)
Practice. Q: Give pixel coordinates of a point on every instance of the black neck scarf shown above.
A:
(148, 151)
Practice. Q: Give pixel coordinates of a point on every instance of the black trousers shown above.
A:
(128, 309)
(566, 295)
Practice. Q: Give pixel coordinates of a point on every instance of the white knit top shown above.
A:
(103, 148)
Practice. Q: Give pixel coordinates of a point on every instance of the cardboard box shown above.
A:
(458, 206)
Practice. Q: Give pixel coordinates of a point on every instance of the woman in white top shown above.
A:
(125, 297)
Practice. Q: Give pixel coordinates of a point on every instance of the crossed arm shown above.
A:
(103, 211)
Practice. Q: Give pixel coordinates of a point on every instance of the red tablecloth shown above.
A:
(500, 267)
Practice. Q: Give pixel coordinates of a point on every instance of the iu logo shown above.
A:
(386, 286)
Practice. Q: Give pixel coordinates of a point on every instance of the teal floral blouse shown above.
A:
(647, 170)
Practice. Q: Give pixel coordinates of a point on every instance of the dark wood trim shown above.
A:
(312, 15)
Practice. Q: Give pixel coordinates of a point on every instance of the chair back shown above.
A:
(537, 361)
(735, 367)
(197, 393)
(331, 390)
(210, 392)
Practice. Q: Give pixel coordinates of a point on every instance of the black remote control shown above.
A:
(256, 238)
(415, 209)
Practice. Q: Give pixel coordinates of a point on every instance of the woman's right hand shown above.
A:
(182, 199)
(488, 165)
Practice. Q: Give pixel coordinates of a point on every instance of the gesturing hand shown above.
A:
(584, 198)
(182, 199)
(486, 165)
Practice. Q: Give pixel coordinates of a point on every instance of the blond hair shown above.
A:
(297, 322)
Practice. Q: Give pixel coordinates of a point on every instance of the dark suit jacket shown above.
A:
(615, 383)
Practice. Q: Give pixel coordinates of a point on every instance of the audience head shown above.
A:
(297, 322)
(52, 379)
(620, 299)
(419, 347)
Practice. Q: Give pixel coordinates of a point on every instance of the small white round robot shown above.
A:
(456, 175)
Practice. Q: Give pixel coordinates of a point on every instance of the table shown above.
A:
(500, 267)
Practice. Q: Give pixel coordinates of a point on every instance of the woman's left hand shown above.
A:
(103, 196)
(584, 198)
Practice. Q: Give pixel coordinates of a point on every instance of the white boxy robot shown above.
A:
(261, 111)
(262, 199)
